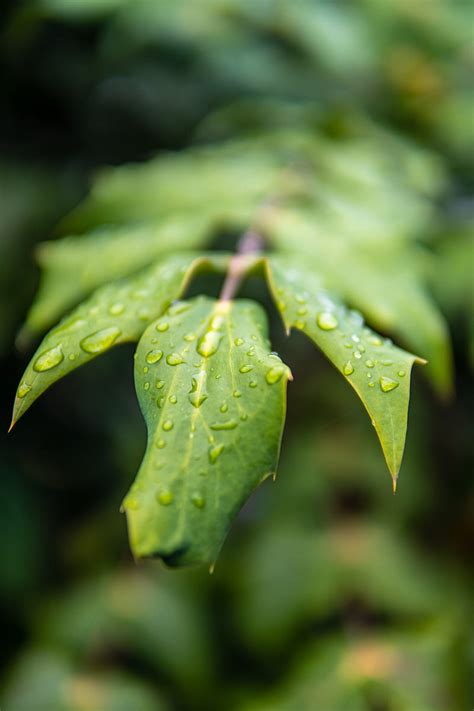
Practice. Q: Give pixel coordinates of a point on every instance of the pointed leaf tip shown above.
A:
(215, 405)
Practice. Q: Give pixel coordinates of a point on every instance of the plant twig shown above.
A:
(250, 245)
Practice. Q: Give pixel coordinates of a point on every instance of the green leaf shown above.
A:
(383, 280)
(214, 405)
(74, 266)
(114, 314)
(378, 371)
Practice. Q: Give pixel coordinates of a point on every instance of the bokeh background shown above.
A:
(330, 593)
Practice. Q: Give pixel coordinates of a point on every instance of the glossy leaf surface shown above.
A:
(114, 314)
(378, 371)
(214, 400)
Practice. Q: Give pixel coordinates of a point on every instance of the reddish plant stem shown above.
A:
(250, 245)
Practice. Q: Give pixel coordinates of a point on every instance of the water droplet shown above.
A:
(361, 348)
(198, 500)
(154, 356)
(369, 375)
(161, 444)
(101, 340)
(355, 338)
(237, 393)
(275, 374)
(162, 326)
(374, 340)
(245, 368)
(70, 326)
(302, 311)
(301, 325)
(369, 363)
(159, 384)
(387, 362)
(49, 359)
(146, 369)
(244, 417)
(358, 355)
(224, 407)
(327, 321)
(348, 345)
(116, 309)
(197, 394)
(253, 384)
(146, 386)
(251, 352)
(173, 399)
(144, 315)
(401, 373)
(230, 425)
(72, 356)
(239, 341)
(132, 504)
(215, 452)
(189, 337)
(348, 369)
(174, 359)
(167, 425)
(387, 384)
(179, 307)
(23, 390)
(160, 402)
(371, 385)
(209, 343)
(165, 497)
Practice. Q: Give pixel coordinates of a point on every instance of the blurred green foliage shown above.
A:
(330, 594)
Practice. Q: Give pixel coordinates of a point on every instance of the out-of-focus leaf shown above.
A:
(74, 266)
(44, 680)
(214, 400)
(378, 371)
(153, 617)
(117, 313)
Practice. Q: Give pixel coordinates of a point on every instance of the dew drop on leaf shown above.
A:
(401, 373)
(116, 309)
(209, 343)
(165, 497)
(159, 384)
(387, 384)
(275, 374)
(245, 368)
(253, 384)
(167, 425)
(224, 407)
(237, 393)
(162, 326)
(348, 368)
(238, 341)
(23, 390)
(369, 363)
(100, 340)
(161, 444)
(49, 359)
(215, 452)
(198, 500)
(154, 356)
(327, 321)
(174, 359)
(173, 399)
(229, 425)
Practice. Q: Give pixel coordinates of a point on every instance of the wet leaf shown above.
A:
(382, 279)
(378, 371)
(215, 406)
(114, 314)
